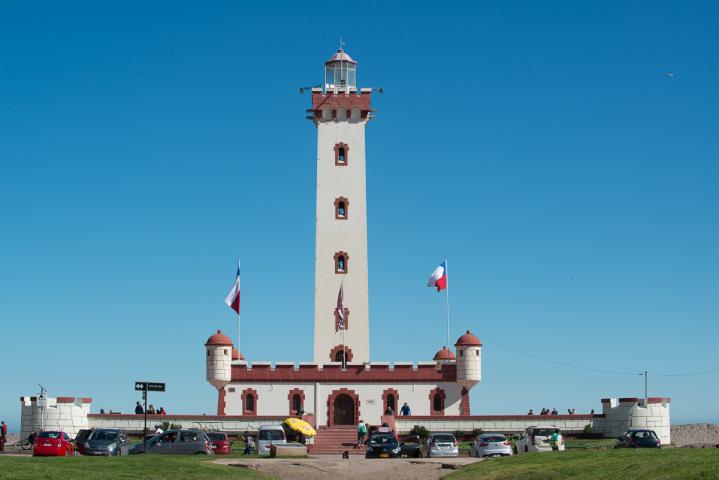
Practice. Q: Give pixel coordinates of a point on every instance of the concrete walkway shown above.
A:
(331, 467)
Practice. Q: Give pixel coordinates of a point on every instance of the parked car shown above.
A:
(490, 445)
(52, 444)
(638, 438)
(411, 447)
(539, 439)
(108, 442)
(441, 445)
(382, 445)
(268, 435)
(176, 442)
(220, 443)
(80, 439)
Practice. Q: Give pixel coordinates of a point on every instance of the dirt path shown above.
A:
(331, 467)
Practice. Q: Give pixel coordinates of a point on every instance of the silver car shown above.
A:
(268, 435)
(441, 445)
(490, 445)
(176, 442)
(106, 441)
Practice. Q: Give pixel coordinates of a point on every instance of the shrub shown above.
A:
(459, 435)
(420, 431)
(477, 431)
(588, 428)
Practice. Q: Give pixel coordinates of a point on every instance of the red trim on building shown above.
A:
(65, 399)
(249, 392)
(443, 396)
(338, 348)
(331, 404)
(293, 392)
(385, 394)
(221, 403)
(659, 399)
(628, 400)
(242, 373)
(253, 418)
(538, 418)
(464, 403)
(338, 101)
(86, 400)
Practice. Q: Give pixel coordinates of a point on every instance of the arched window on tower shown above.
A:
(437, 402)
(249, 402)
(341, 208)
(341, 356)
(341, 154)
(341, 262)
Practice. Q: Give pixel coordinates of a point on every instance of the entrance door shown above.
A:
(344, 410)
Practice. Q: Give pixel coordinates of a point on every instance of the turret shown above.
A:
(444, 355)
(218, 362)
(469, 360)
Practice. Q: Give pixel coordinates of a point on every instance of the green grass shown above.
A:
(676, 463)
(156, 467)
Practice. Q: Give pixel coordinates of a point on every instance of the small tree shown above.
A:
(420, 431)
(588, 428)
(458, 434)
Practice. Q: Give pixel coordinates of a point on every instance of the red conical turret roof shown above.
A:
(218, 339)
(468, 339)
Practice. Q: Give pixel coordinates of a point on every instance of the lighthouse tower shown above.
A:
(340, 112)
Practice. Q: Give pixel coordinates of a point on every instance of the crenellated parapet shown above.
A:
(374, 372)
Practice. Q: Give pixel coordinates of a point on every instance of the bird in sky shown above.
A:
(669, 74)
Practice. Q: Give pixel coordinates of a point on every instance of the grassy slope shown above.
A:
(154, 467)
(605, 464)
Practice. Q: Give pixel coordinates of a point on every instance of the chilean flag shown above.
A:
(233, 298)
(439, 277)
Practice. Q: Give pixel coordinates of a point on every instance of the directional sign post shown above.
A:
(145, 387)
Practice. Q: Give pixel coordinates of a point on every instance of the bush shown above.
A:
(588, 428)
(458, 434)
(420, 431)
(477, 432)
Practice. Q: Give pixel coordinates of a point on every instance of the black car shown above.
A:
(411, 447)
(80, 439)
(638, 438)
(383, 445)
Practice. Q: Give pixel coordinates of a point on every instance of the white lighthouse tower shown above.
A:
(340, 112)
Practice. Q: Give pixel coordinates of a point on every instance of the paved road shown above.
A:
(332, 467)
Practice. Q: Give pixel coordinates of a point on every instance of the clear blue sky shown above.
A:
(145, 146)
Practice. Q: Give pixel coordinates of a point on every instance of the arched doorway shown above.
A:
(344, 410)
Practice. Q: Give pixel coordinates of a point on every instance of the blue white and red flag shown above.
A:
(340, 310)
(439, 277)
(233, 298)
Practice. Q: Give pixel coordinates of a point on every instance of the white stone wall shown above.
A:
(498, 424)
(218, 364)
(136, 425)
(334, 235)
(59, 416)
(469, 366)
(272, 398)
(621, 416)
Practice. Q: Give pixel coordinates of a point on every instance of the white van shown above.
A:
(269, 434)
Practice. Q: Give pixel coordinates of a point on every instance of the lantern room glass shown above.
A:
(340, 74)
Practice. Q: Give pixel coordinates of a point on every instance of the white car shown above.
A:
(441, 445)
(490, 445)
(539, 439)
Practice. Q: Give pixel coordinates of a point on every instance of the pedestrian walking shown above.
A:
(138, 409)
(361, 433)
(3, 436)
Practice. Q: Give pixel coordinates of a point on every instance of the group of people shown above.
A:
(150, 410)
(405, 410)
(554, 411)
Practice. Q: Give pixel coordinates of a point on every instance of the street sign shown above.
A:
(141, 386)
(155, 387)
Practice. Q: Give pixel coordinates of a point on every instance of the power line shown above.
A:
(598, 370)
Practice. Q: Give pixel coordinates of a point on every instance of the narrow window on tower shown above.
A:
(341, 154)
(341, 208)
(341, 262)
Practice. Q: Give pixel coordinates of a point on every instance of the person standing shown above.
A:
(361, 433)
(3, 436)
(138, 409)
(405, 410)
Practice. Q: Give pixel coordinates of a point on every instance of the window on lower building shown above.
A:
(437, 402)
(391, 402)
(341, 356)
(296, 403)
(250, 403)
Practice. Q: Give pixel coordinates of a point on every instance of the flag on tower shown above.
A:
(439, 277)
(233, 298)
(340, 310)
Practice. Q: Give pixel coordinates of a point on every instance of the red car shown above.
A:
(220, 443)
(53, 444)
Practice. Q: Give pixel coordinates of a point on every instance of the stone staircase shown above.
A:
(336, 440)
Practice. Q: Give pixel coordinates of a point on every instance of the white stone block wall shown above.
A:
(498, 424)
(218, 365)
(632, 413)
(67, 414)
(469, 366)
(135, 424)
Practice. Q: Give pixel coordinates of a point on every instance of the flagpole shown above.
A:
(238, 314)
(446, 291)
